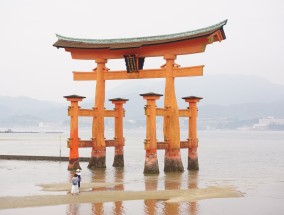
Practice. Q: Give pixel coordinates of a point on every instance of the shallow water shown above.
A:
(250, 161)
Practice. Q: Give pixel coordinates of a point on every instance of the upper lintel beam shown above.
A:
(141, 74)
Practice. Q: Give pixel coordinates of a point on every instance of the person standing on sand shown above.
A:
(78, 172)
(74, 188)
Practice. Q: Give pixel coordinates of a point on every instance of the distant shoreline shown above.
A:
(30, 132)
(39, 158)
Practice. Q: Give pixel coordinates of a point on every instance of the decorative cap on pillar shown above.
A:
(151, 94)
(118, 99)
(74, 98)
(192, 99)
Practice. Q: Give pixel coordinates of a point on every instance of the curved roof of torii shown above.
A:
(124, 45)
(68, 42)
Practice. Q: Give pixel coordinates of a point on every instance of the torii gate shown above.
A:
(134, 51)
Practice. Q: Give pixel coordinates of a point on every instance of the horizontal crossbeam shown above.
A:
(141, 74)
(163, 112)
(89, 143)
(93, 112)
(183, 144)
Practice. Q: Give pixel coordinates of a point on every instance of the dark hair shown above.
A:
(75, 175)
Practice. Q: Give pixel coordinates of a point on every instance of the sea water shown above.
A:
(250, 161)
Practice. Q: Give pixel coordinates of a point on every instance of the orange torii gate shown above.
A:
(134, 51)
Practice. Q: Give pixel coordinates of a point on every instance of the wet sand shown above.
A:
(231, 165)
(88, 196)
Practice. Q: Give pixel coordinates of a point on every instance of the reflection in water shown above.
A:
(151, 206)
(119, 178)
(100, 176)
(192, 179)
(172, 181)
(192, 184)
(73, 209)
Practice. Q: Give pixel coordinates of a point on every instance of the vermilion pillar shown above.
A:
(173, 161)
(151, 162)
(192, 131)
(98, 155)
(118, 124)
(73, 142)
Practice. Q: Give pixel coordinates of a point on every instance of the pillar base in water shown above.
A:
(98, 159)
(118, 161)
(193, 163)
(173, 162)
(173, 165)
(97, 162)
(74, 164)
(151, 165)
(192, 159)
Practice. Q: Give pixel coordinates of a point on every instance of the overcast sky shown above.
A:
(31, 66)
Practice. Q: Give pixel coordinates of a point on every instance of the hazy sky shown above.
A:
(31, 66)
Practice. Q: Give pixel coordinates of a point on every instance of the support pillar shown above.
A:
(118, 126)
(73, 112)
(192, 131)
(173, 162)
(151, 162)
(98, 155)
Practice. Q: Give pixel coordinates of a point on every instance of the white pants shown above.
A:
(74, 189)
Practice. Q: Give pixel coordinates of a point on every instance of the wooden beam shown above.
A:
(160, 111)
(183, 47)
(188, 71)
(89, 143)
(182, 112)
(110, 113)
(141, 74)
(183, 145)
(92, 113)
(84, 76)
(113, 113)
(113, 142)
(86, 112)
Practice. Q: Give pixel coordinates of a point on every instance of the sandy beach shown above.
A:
(87, 195)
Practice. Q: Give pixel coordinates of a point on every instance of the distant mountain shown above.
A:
(238, 97)
(244, 111)
(223, 95)
(26, 111)
(217, 89)
(26, 105)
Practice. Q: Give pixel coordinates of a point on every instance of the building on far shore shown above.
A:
(269, 123)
